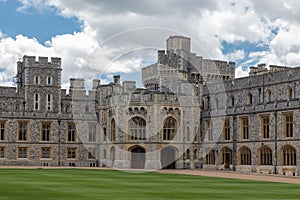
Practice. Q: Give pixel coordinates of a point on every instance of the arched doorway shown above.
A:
(226, 157)
(168, 158)
(138, 157)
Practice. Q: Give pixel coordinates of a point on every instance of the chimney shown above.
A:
(96, 83)
(117, 79)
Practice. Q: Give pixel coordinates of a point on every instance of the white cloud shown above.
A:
(236, 55)
(117, 35)
(239, 72)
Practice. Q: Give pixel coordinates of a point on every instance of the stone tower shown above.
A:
(40, 82)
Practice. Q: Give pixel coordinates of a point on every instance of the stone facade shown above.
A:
(192, 113)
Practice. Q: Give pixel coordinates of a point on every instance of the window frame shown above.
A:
(2, 153)
(36, 101)
(49, 153)
(71, 133)
(289, 156)
(49, 80)
(226, 130)
(169, 131)
(265, 156)
(36, 80)
(137, 128)
(49, 106)
(23, 132)
(245, 156)
(265, 126)
(92, 132)
(46, 131)
(244, 128)
(71, 153)
(208, 130)
(210, 157)
(288, 125)
(2, 131)
(22, 149)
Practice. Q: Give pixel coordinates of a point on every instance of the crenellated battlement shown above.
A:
(262, 69)
(33, 61)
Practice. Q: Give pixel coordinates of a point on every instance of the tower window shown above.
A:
(49, 102)
(36, 101)
(36, 80)
(49, 80)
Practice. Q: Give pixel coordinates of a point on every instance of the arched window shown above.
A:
(187, 154)
(36, 80)
(49, 80)
(169, 129)
(249, 98)
(269, 96)
(49, 101)
(17, 107)
(265, 156)
(195, 154)
(226, 157)
(245, 156)
(137, 128)
(113, 130)
(210, 157)
(67, 109)
(289, 155)
(36, 101)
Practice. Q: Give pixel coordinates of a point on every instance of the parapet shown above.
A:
(261, 69)
(77, 84)
(276, 68)
(32, 61)
(129, 86)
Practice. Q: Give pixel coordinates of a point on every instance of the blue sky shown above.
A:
(102, 38)
(42, 25)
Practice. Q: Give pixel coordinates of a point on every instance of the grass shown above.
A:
(75, 184)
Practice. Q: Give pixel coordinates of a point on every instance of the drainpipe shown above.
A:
(234, 146)
(59, 122)
(275, 130)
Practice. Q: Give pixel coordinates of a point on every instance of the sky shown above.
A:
(101, 38)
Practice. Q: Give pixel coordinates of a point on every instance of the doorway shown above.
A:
(138, 158)
(168, 158)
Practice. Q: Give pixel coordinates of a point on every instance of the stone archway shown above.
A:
(168, 158)
(138, 157)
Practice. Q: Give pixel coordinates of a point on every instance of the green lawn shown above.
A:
(83, 184)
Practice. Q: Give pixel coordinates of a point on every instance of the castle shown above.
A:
(191, 113)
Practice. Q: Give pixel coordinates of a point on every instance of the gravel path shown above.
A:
(235, 175)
